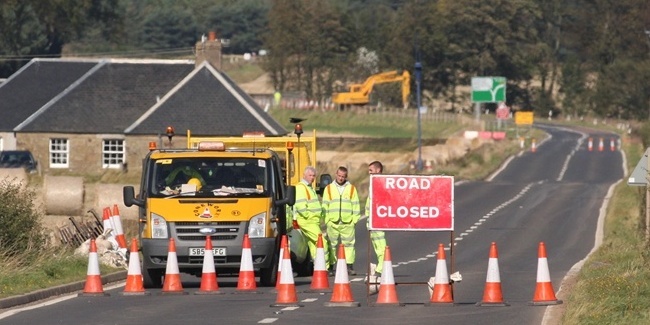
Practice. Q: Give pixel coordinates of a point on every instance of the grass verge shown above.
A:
(612, 286)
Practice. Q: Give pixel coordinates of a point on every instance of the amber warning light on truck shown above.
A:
(412, 203)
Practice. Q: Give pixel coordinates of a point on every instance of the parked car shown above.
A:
(18, 159)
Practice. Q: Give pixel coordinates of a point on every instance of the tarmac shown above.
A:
(42, 294)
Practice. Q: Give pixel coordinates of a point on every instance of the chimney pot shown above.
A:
(212, 36)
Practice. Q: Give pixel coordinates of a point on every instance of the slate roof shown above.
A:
(121, 96)
(34, 85)
(110, 98)
(207, 102)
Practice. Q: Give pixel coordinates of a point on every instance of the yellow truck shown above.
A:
(222, 187)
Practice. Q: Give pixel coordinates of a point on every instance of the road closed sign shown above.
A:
(411, 202)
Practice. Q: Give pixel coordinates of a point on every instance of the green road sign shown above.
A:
(488, 89)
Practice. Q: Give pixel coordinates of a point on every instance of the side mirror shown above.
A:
(128, 195)
(290, 198)
(325, 179)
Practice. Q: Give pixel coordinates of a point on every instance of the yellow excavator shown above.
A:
(359, 93)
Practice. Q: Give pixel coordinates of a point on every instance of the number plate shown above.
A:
(216, 251)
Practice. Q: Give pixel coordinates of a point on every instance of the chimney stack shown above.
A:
(209, 50)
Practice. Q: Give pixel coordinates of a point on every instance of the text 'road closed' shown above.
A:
(411, 202)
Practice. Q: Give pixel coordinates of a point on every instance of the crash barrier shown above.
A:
(108, 228)
(441, 291)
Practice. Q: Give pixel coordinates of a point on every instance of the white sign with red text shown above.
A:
(411, 202)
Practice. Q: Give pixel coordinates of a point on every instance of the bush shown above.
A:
(20, 227)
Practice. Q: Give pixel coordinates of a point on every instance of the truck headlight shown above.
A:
(158, 226)
(257, 226)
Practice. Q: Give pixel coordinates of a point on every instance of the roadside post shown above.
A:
(412, 203)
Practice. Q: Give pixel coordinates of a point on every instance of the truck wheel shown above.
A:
(152, 278)
(304, 268)
(269, 276)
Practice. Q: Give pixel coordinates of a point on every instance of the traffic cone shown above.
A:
(492, 296)
(533, 145)
(119, 232)
(319, 280)
(209, 283)
(246, 281)
(134, 284)
(287, 290)
(172, 284)
(442, 291)
(387, 291)
(544, 294)
(342, 295)
(612, 145)
(590, 144)
(283, 245)
(108, 224)
(601, 146)
(93, 286)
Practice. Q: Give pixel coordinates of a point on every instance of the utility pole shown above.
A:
(418, 81)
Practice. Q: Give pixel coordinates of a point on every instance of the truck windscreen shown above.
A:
(209, 177)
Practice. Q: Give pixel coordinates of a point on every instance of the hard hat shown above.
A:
(196, 182)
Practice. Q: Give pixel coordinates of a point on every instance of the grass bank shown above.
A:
(613, 286)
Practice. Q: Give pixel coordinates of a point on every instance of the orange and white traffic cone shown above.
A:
(108, 225)
(209, 284)
(387, 291)
(319, 280)
(93, 286)
(492, 296)
(544, 294)
(287, 296)
(601, 146)
(442, 291)
(533, 145)
(612, 145)
(119, 232)
(590, 144)
(246, 281)
(172, 284)
(342, 295)
(283, 245)
(134, 284)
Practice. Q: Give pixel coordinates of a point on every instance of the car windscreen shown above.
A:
(209, 177)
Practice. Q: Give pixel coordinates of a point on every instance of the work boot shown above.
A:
(351, 271)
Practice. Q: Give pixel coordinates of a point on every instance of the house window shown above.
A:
(113, 153)
(59, 153)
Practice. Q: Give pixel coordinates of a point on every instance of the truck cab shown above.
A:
(223, 188)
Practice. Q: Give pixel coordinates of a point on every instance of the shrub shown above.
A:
(20, 227)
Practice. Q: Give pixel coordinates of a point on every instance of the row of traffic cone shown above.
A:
(342, 293)
(544, 293)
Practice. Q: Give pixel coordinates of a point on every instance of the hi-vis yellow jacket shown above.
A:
(307, 204)
(341, 203)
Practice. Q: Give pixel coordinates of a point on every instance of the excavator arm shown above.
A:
(359, 94)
